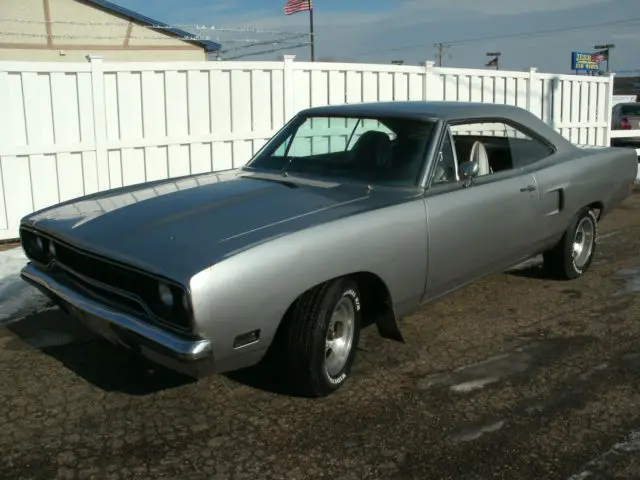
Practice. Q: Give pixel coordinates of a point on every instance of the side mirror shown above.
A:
(468, 171)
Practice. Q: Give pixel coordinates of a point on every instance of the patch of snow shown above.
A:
(17, 298)
(475, 432)
(433, 380)
(632, 278)
(491, 370)
(604, 236)
(587, 375)
(473, 384)
(630, 445)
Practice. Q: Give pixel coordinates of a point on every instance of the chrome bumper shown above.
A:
(192, 357)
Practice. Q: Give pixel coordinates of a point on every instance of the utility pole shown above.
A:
(607, 48)
(441, 48)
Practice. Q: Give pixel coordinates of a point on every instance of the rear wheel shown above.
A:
(322, 337)
(573, 254)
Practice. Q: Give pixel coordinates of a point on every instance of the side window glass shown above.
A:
(525, 149)
(446, 167)
(497, 146)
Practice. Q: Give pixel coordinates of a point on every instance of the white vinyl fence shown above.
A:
(70, 129)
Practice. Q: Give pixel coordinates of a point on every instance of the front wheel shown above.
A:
(323, 336)
(573, 254)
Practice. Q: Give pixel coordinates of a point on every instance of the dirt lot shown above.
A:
(513, 377)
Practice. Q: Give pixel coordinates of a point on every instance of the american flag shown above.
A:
(600, 56)
(297, 6)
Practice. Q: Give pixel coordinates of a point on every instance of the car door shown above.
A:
(476, 230)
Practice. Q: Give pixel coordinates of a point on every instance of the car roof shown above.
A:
(418, 109)
(447, 111)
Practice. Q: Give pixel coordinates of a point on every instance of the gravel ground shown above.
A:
(513, 377)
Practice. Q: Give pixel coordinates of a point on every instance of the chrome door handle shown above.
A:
(529, 188)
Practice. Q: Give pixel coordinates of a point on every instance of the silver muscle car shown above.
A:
(349, 215)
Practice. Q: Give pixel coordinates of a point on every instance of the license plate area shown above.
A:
(97, 325)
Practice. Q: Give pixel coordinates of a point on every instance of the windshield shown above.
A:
(386, 151)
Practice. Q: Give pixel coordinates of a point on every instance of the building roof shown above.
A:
(138, 18)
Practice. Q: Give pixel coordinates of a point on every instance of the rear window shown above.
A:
(631, 109)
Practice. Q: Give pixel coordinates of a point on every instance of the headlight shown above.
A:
(39, 245)
(185, 302)
(166, 295)
(35, 248)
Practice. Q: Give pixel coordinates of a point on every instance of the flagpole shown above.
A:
(312, 36)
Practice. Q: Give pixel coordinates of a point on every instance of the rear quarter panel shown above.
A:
(586, 176)
(253, 289)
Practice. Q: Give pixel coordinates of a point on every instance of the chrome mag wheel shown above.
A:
(583, 242)
(340, 333)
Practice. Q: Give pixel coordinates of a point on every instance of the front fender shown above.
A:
(253, 289)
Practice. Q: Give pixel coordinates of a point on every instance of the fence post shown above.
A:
(531, 94)
(289, 90)
(608, 112)
(428, 73)
(556, 104)
(99, 121)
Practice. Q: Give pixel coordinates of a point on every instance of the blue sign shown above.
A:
(584, 62)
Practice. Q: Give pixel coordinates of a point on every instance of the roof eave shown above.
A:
(136, 17)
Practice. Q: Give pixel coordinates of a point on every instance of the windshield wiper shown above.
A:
(276, 180)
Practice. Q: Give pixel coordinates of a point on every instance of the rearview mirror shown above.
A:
(468, 171)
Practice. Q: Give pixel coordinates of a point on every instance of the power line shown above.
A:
(193, 26)
(263, 43)
(267, 51)
(104, 37)
(544, 32)
(497, 37)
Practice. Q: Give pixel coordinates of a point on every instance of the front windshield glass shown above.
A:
(387, 151)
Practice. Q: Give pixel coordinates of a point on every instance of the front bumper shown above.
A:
(191, 357)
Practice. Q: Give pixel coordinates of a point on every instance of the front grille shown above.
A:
(116, 285)
(102, 294)
(104, 272)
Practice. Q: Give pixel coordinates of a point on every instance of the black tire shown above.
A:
(307, 332)
(560, 261)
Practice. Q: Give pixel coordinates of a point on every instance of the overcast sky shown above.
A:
(380, 31)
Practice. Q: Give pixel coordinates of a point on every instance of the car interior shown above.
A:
(498, 153)
(391, 157)
(493, 154)
(393, 154)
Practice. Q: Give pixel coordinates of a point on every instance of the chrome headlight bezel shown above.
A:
(166, 295)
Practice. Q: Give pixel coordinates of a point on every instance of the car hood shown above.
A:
(178, 227)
